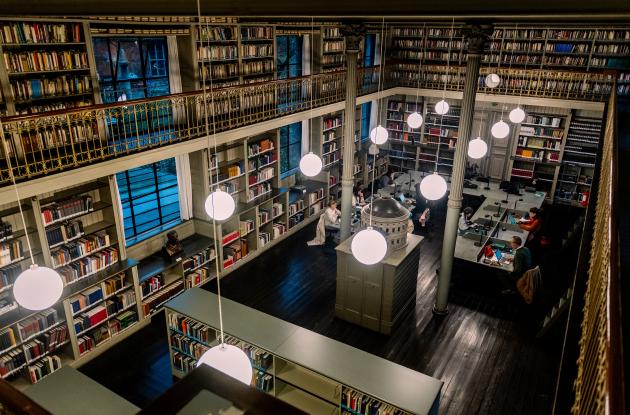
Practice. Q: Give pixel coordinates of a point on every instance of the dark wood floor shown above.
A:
(484, 350)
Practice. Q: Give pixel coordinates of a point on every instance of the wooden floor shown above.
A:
(484, 350)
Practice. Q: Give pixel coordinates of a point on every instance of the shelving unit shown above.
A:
(403, 147)
(262, 166)
(282, 353)
(578, 161)
(333, 49)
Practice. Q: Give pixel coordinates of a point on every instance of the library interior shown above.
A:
(375, 208)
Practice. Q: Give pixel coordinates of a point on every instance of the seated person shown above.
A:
(387, 179)
(357, 196)
(532, 224)
(522, 262)
(330, 216)
(465, 225)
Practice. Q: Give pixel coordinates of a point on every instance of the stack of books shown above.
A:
(78, 249)
(88, 265)
(10, 252)
(60, 210)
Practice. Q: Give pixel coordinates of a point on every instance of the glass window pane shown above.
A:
(101, 56)
(294, 155)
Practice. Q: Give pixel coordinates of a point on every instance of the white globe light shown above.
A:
(310, 164)
(441, 107)
(219, 205)
(230, 360)
(379, 135)
(433, 186)
(517, 115)
(414, 120)
(500, 129)
(493, 80)
(477, 148)
(369, 246)
(37, 288)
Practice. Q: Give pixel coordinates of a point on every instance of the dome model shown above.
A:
(389, 217)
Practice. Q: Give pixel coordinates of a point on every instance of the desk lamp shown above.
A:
(498, 214)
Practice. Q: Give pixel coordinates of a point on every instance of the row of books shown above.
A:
(540, 155)
(88, 265)
(58, 211)
(230, 187)
(234, 252)
(263, 381)
(234, 170)
(54, 106)
(26, 89)
(419, 44)
(216, 33)
(11, 362)
(262, 160)
(329, 147)
(154, 301)
(21, 32)
(74, 250)
(263, 238)
(37, 61)
(216, 52)
(296, 206)
(10, 251)
(259, 147)
(44, 367)
(151, 285)
(266, 173)
(64, 232)
(279, 229)
(187, 345)
(315, 196)
(46, 343)
(183, 363)
(86, 298)
(246, 226)
(258, 190)
(257, 50)
(198, 259)
(361, 404)
(334, 46)
(219, 71)
(331, 158)
(295, 219)
(58, 136)
(196, 278)
(230, 237)
(328, 32)
(123, 321)
(257, 32)
(441, 132)
(90, 318)
(119, 302)
(258, 357)
(37, 323)
(191, 328)
(427, 55)
(543, 132)
(6, 230)
(527, 141)
(115, 283)
(7, 339)
(333, 59)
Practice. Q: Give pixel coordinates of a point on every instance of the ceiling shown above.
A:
(589, 10)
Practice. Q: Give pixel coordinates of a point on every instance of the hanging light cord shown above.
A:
(310, 119)
(448, 57)
(17, 194)
(520, 94)
(214, 222)
(422, 52)
(380, 74)
(507, 84)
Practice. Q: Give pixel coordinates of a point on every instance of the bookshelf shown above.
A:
(578, 161)
(46, 66)
(161, 278)
(262, 166)
(257, 53)
(430, 43)
(404, 142)
(333, 49)
(538, 151)
(279, 351)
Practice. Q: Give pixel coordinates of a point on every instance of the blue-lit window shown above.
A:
(290, 148)
(289, 56)
(368, 50)
(366, 111)
(149, 198)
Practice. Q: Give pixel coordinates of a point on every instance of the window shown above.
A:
(289, 56)
(150, 199)
(131, 68)
(290, 148)
(368, 55)
(366, 111)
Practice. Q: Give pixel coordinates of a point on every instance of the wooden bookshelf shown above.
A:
(403, 143)
(333, 49)
(279, 353)
(262, 166)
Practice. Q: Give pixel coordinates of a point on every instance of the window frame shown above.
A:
(294, 47)
(293, 141)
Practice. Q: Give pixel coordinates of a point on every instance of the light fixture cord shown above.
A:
(422, 52)
(214, 222)
(448, 57)
(520, 94)
(507, 84)
(380, 73)
(310, 120)
(17, 193)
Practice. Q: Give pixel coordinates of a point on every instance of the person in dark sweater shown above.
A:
(522, 262)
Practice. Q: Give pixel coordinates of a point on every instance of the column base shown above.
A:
(439, 312)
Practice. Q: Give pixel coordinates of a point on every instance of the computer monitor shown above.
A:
(498, 254)
(401, 197)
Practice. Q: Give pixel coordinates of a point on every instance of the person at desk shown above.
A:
(465, 225)
(387, 179)
(357, 196)
(522, 262)
(532, 224)
(330, 216)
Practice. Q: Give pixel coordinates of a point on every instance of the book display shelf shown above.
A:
(262, 165)
(340, 380)
(430, 43)
(46, 66)
(538, 151)
(442, 130)
(404, 142)
(161, 278)
(578, 161)
(333, 49)
(236, 53)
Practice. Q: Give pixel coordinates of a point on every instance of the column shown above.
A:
(476, 37)
(352, 36)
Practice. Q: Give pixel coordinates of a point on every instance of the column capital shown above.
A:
(353, 33)
(477, 36)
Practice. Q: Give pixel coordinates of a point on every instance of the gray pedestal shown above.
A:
(375, 296)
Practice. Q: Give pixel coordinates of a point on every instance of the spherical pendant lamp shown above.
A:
(369, 246)
(441, 107)
(517, 115)
(433, 186)
(230, 360)
(500, 129)
(310, 164)
(414, 120)
(37, 288)
(379, 135)
(493, 80)
(477, 148)
(219, 205)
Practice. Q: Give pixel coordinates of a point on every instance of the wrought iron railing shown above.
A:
(599, 387)
(46, 143)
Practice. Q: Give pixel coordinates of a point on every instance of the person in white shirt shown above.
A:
(465, 225)
(330, 216)
(357, 197)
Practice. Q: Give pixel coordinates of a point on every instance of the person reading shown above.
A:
(465, 225)
(330, 216)
(357, 196)
(522, 262)
(533, 224)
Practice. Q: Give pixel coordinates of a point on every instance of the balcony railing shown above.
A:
(599, 386)
(46, 143)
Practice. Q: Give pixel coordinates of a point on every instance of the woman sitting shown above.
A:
(330, 216)
(357, 196)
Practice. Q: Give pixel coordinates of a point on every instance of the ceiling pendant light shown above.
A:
(433, 186)
(441, 107)
(414, 120)
(379, 135)
(500, 129)
(219, 205)
(37, 288)
(230, 360)
(492, 80)
(311, 164)
(477, 148)
(369, 246)
(517, 115)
